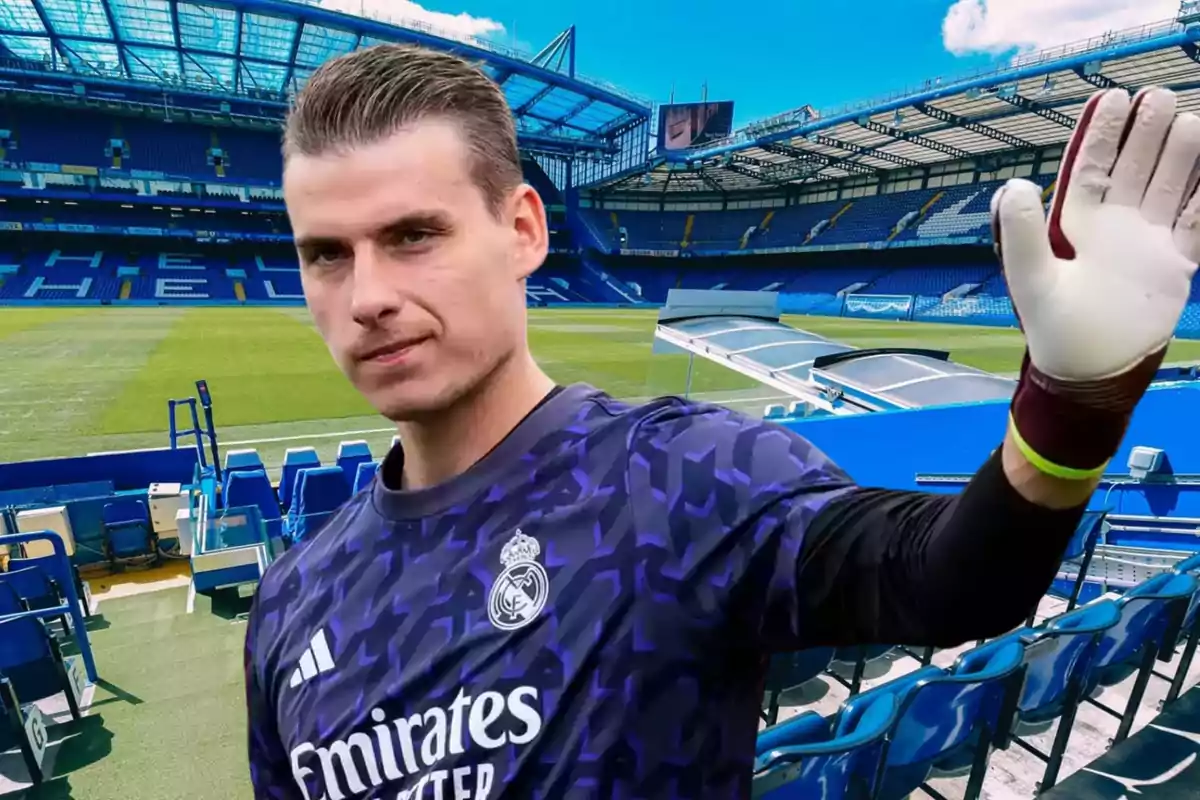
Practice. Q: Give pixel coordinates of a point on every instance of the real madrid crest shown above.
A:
(519, 593)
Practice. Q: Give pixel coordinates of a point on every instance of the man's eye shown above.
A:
(412, 238)
(323, 258)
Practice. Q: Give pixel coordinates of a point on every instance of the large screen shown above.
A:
(691, 124)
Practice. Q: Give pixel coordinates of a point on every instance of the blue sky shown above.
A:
(786, 55)
(775, 56)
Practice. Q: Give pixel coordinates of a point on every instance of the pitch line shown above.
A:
(308, 436)
(336, 434)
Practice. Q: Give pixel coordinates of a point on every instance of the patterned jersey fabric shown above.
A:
(584, 613)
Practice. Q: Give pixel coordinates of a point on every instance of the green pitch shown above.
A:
(74, 381)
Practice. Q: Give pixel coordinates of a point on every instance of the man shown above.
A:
(549, 593)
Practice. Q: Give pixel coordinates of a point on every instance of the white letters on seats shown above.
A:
(181, 261)
(39, 284)
(171, 288)
(91, 261)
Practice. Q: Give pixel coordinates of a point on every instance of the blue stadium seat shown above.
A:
(364, 475)
(1189, 564)
(1150, 615)
(775, 411)
(1057, 661)
(294, 460)
(24, 729)
(60, 572)
(947, 722)
(786, 670)
(35, 588)
(805, 758)
(31, 659)
(253, 488)
(320, 491)
(127, 531)
(1079, 556)
(10, 601)
(350, 455)
(238, 460)
(1189, 633)
(857, 658)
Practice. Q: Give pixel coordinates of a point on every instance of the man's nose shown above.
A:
(375, 297)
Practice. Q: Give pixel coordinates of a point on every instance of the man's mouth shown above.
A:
(391, 353)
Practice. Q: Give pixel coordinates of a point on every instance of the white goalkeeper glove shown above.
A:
(1100, 286)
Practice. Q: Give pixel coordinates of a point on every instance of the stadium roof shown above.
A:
(266, 49)
(1031, 103)
(829, 374)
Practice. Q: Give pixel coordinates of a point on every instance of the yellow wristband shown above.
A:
(1049, 467)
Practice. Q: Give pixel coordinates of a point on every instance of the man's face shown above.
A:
(415, 285)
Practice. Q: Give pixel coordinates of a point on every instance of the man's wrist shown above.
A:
(1039, 487)
(1071, 429)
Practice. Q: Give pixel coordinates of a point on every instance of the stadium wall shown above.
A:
(892, 448)
(85, 484)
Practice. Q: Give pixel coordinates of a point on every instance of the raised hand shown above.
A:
(1099, 286)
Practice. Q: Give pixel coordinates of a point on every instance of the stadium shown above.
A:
(170, 420)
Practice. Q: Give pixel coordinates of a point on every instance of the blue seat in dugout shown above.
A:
(294, 460)
(319, 493)
(786, 670)
(1150, 616)
(947, 722)
(350, 456)
(127, 530)
(806, 759)
(364, 475)
(1057, 662)
(253, 488)
(241, 460)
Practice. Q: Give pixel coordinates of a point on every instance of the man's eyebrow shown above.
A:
(311, 242)
(417, 220)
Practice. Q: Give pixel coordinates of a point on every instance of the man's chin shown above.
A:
(412, 404)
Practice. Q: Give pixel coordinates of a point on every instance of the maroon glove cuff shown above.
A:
(1072, 428)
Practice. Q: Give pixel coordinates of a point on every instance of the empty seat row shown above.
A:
(308, 492)
(888, 741)
(350, 456)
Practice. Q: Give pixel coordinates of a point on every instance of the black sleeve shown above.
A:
(883, 566)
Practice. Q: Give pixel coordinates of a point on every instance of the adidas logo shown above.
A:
(315, 661)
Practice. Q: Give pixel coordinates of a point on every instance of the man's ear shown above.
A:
(530, 230)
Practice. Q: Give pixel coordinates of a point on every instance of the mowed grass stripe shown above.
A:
(17, 319)
(261, 365)
(614, 352)
(56, 377)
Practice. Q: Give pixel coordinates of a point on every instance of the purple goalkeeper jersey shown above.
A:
(585, 613)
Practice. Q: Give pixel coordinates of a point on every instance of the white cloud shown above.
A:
(457, 26)
(998, 26)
